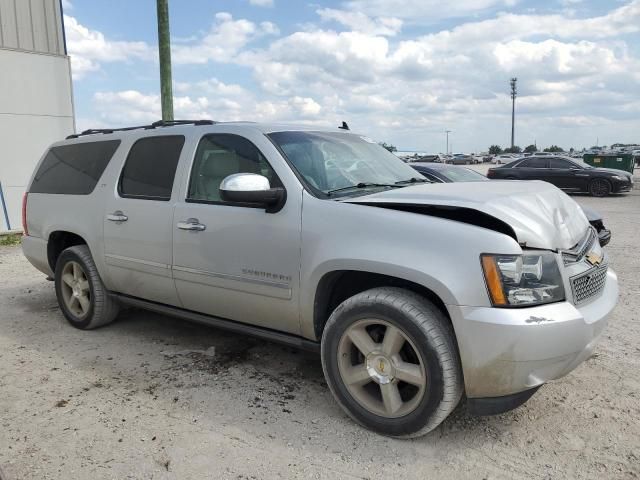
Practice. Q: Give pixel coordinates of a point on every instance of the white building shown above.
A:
(36, 105)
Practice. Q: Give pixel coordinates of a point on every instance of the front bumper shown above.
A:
(618, 186)
(507, 351)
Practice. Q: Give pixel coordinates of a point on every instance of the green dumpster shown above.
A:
(619, 161)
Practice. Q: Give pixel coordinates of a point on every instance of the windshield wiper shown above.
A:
(413, 180)
(362, 185)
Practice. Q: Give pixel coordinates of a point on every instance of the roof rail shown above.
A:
(159, 123)
(171, 123)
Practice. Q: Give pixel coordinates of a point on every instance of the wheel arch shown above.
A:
(336, 286)
(60, 240)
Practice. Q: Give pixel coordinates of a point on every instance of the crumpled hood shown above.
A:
(541, 215)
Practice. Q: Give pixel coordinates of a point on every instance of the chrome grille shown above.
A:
(588, 284)
(578, 252)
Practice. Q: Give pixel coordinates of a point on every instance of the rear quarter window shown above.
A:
(73, 169)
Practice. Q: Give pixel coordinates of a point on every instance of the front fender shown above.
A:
(441, 255)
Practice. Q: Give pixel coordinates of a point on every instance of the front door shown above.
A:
(565, 174)
(138, 223)
(236, 261)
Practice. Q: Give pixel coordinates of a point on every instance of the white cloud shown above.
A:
(88, 49)
(134, 107)
(67, 5)
(262, 3)
(360, 22)
(417, 11)
(226, 38)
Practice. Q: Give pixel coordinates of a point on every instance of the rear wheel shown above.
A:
(599, 187)
(390, 360)
(82, 297)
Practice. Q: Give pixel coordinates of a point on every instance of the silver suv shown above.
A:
(413, 293)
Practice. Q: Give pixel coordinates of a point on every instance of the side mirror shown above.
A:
(251, 188)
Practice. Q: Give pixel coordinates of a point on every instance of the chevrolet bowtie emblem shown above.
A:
(594, 258)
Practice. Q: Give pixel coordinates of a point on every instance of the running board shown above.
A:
(230, 325)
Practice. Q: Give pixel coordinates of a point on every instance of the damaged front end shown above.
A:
(548, 304)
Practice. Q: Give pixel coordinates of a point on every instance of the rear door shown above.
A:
(138, 220)
(533, 168)
(236, 261)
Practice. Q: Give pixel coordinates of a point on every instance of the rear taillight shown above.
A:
(24, 214)
(490, 173)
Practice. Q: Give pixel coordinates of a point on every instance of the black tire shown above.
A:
(511, 177)
(599, 187)
(427, 328)
(103, 308)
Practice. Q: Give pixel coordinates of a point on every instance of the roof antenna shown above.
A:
(344, 126)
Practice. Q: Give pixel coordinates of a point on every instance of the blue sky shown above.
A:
(401, 71)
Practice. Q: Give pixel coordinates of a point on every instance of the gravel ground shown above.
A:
(153, 397)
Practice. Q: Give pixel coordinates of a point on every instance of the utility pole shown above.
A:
(164, 51)
(514, 94)
(447, 132)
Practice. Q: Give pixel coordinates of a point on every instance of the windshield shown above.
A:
(461, 174)
(331, 161)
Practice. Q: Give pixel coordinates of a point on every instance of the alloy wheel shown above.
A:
(599, 188)
(75, 289)
(381, 368)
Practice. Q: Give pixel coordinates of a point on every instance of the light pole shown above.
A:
(164, 53)
(447, 132)
(514, 94)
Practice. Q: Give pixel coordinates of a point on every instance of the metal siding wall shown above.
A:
(36, 110)
(8, 24)
(39, 26)
(53, 24)
(24, 25)
(32, 25)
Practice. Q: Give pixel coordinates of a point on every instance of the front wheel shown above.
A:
(390, 360)
(599, 187)
(82, 297)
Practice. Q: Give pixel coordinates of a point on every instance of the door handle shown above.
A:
(117, 217)
(192, 224)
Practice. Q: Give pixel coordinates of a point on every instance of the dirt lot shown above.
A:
(153, 397)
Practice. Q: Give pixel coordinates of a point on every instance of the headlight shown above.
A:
(618, 177)
(522, 280)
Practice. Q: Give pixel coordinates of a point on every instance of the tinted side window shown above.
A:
(534, 163)
(73, 169)
(221, 155)
(559, 163)
(150, 168)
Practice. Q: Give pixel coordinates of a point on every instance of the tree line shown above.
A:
(497, 149)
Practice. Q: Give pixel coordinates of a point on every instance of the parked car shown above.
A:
(435, 158)
(413, 293)
(461, 159)
(443, 173)
(567, 173)
(503, 159)
(452, 173)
